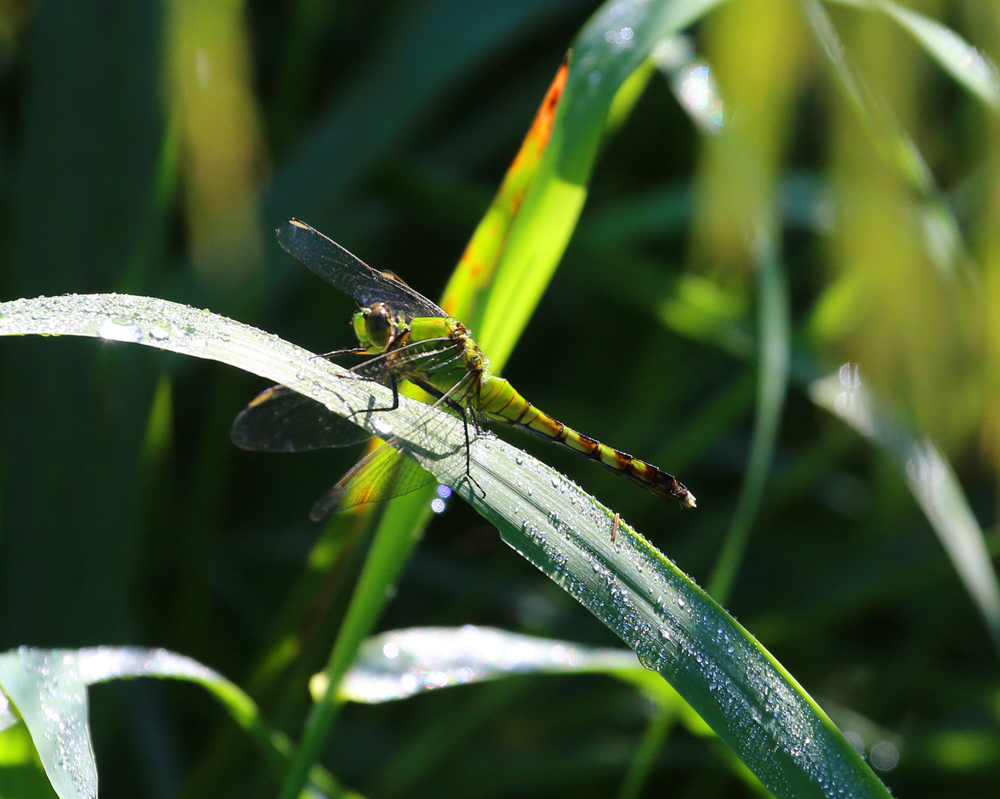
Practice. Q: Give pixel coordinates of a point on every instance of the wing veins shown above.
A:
(350, 274)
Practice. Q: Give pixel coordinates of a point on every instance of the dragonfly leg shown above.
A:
(461, 409)
(448, 399)
(395, 398)
(348, 351)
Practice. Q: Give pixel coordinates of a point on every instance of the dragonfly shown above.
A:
(406, 338)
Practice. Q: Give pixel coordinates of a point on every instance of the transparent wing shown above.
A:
(384, 473)
(282, 420)
(350, 274)
(409, 360)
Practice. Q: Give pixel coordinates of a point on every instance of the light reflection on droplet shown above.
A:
(438, 505)
(884, 756)
(696, 89)
(117, 332)
(620, 39)
(925, 467)
(850, 375)
(444, 491)
(852, 404)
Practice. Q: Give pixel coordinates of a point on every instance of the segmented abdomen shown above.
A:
(498, 399)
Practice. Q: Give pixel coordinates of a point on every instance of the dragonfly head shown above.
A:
(376, 327)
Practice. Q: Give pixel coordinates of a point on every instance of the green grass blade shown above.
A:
(932, 482)
(612, 46)
(49, 690)
(970, 67)
(944, 240)
(676, 629)
(402, 663)
(54, 708)
(774, 332)
(398, 531)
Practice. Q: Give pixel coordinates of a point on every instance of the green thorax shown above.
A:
(433, 351)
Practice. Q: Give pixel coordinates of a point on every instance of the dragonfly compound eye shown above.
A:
(378, 325)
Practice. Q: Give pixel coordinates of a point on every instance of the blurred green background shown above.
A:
(152, 147)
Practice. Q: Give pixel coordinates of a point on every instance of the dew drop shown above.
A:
(114, 331)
